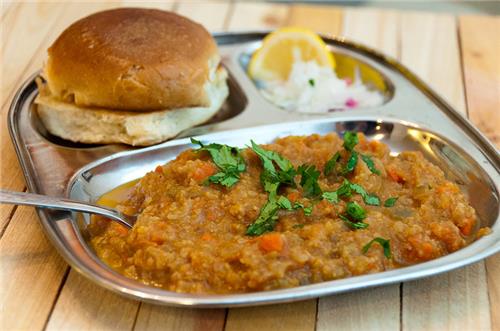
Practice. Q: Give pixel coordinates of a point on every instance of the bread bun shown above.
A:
(132, 59)
(104, 126)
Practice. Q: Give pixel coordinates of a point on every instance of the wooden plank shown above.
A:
(153, 317)
(454, 300)
(6, 6)
(378, 29)
(430, 48)
(493, 279)
(481, 59)
(257, 16)
(84, 305)
(23, 28)
(31, 274)
(211, 14)
(289, 317)
(481, 64)
(326, 20)
(361, 310)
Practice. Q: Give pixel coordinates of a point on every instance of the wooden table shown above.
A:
(457, 56)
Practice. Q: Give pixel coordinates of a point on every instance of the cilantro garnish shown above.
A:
(350, 140)
(369, 199)
(330, 164)
(311, 82)
(309, 180)
(346, 189)
(272, 177)
(370, 164)
(355, 211)
(351, 163)
(228, 160)
(298, 226)
(354, 225)
(307, 210)
(382, 242)
(285, 173)
(390, 202)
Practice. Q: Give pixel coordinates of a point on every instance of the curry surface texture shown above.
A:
(190, 237)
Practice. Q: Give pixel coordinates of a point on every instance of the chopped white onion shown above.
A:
(311, 88)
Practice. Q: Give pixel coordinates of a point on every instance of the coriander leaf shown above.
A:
(351, 163)
(298, 226)
(286, 172)
(369, 199)
(330, 164)
(332, 197)
(370, 164)
(355, 211)
(344, 191)
(284, 203)
(308, 210)
(354, 225)
(222, 178)
(390, 202)
(267, 218)
(382, 242)
(309, 180)
(311, 82)
(350, 140)
(227, 159)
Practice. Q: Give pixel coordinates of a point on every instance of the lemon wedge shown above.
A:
(274, 59)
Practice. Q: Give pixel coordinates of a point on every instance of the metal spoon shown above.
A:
(44, 201)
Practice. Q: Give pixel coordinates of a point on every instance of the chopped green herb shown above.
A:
(332, 197)
(268, 216)
(370, 164)
(298, 226)
(354, 225)
(344, 191)
(350, 140)
(330, 164)
(351, 163)
(369, 199)
(382, 242)
(355, 211)
(390, 202)
(284, 203)
(286, 172)
(311, 82)
(309, 180)
(228, 160)
(307, 210)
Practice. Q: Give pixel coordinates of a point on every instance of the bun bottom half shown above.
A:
(102, 126)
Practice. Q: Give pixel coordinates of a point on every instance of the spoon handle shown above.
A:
(44, 201)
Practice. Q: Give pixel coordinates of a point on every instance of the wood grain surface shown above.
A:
(457, 56)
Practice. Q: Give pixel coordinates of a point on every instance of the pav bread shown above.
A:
(130, 75)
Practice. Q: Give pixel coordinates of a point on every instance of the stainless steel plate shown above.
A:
(413, 118)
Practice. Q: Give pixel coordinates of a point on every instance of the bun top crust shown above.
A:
(132, 59)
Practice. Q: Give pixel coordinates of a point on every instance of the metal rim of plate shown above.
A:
(409, 94)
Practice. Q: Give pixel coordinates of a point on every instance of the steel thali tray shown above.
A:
(413, 117)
